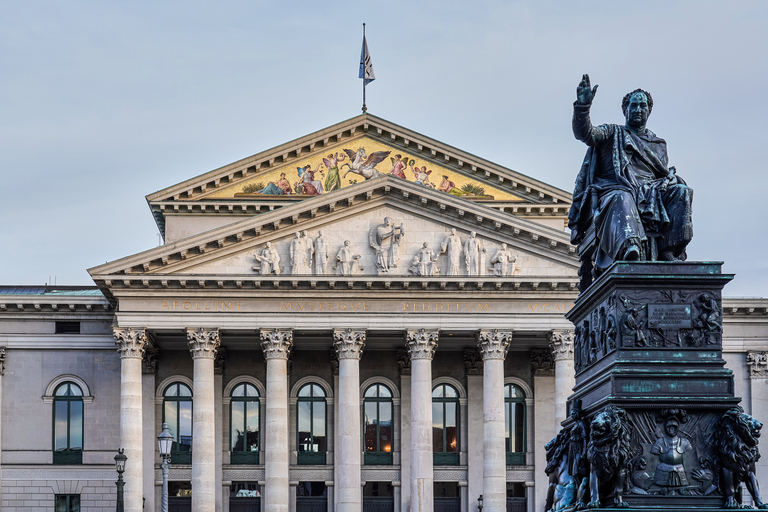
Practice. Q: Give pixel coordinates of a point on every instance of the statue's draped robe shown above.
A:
(625, 186)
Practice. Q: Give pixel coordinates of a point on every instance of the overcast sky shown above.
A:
(102, 103)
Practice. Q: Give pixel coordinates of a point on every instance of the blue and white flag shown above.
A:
(366, 66)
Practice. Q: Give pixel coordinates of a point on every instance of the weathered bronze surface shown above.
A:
(627, 204)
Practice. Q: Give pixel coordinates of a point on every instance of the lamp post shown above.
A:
(120, 459)
(480, 503)
(165, 441)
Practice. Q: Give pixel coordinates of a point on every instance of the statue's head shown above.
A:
(387, 221)
(671, 427)
(637, 106)
(424, 245)
(346, 243)
(453, 231)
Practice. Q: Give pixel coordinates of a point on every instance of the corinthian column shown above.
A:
(130, 344)
(276, 345)
(203, 344)
(349, 347)
(561, 345)
(421, 348)
(493, 347)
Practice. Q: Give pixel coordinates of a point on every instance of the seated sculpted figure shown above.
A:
(639, 208)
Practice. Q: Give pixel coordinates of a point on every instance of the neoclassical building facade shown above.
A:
(360, 319)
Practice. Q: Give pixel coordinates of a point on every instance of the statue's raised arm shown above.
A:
(585, 93)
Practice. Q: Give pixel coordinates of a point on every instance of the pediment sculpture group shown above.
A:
(316, 256)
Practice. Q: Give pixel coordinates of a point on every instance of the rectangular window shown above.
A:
(67, 327)
(67, 503)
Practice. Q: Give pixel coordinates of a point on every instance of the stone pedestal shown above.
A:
(649, 369)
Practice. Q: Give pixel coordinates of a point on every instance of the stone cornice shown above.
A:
(348, 343)
(364, 125)
(69, 305)
(493, 343)
(742, 308)
(248, 233)
(203, 342)
(421, 343)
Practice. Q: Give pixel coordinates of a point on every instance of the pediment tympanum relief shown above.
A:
(353, 162)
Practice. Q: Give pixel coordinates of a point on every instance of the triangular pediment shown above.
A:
(422, 216)
(253, 186)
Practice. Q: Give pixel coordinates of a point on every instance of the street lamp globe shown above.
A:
(120, 459)
(165, 440)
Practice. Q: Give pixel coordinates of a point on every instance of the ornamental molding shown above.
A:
(473, 362)
(520, 475)
(203, 342)
(241, 474)
(758, 364)
(130, 341)
(349, 343)
(447, 475)
(494, 343)
(303, 475)
(561, 345)
(276, 343)
(543, 363)
(59, 474)
(149, 361)
(380, 475)
(421, 343)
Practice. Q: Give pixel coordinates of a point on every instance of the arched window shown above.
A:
(177, 413)
(68, 424)
(445, 425)
(311, 424)
(244, 425)
(377, 424)
(514, 424)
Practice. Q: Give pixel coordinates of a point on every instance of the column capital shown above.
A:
(543, 363)
(421, 343)
(348, 343)
(2, 360)
(493, 343)
(149, 362)
(276, 343)
(561, 344)
(203, 342)
(403, 361)
(130, 341)
(473, 364)
(758, 364)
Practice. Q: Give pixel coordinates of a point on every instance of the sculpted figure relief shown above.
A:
(298, 251)
(639, 208)
(474, 255)
(425, 262)
(385, 240)
(269, 261)
(321, 254)
(503, 262)
(670, 448)
(452, 245)
(347, 263)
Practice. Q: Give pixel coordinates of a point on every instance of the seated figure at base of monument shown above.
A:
(627, 204)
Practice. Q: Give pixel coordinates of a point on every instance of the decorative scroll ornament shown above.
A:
(421, 343)
(203, 342)
(473, 363)
(403, 361)
(348, 343)
(758, 364)
(149, 362)
(334, 358)
(543, 363)
(276, 343)
(561, 344)
(219, 360)
(130, 342)
(493, 344)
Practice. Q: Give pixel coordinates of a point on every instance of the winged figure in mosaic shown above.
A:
(364, 165)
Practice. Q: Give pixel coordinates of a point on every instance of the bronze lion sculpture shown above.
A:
(608, 453)
(735, 439)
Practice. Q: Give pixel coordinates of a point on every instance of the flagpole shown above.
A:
(365, 109)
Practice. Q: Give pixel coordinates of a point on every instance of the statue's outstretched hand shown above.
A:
(585, 93)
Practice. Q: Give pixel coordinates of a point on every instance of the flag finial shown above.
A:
(366, 68)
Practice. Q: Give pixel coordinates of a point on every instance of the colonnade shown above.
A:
(276, 345)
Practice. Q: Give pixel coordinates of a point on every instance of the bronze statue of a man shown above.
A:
(640, 209)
